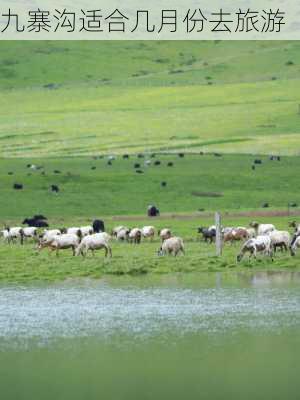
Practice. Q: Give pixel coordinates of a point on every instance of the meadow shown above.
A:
(66, 106)
(72, 98)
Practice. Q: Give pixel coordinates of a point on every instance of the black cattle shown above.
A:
(137, 165)
(152, 211)
(257, 161)
(40, 216)
(18, 186)
(98, 226)
(157, 162)
(170, 164)
(207, 234)
(38, 223)
(54, 188)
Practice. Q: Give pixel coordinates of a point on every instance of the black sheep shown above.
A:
(208, 234)
(18, 186)
(54, 188)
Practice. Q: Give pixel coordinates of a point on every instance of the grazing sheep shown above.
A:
(123, 234)
(208, 234)
(262, 229)
(30, 232)
(280, 239)
(135, 235)
(115, 230)
(74, 231)
(295, 225)
(172, 245)
(5, 234)
(261, 244)
(148, 232)
(61, 242)
(14, 233)
(251, 232)
(164, 234)
(152, 211)
(98, 226)
(86, 230)
(93, 242)
(236, 234)
(54, 188)
(48, 235)
(295, 245)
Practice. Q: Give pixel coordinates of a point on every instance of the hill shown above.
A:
(84, 98)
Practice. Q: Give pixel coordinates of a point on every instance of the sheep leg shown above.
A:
(73, 251)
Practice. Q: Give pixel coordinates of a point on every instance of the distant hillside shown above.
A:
(79, 98)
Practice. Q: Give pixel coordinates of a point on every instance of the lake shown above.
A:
(194, 336)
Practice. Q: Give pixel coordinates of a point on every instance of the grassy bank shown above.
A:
(25, 263)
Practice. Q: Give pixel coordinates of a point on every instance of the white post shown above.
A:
(218, 234)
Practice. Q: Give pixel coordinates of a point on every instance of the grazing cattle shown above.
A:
(94, 242)
(38, 223)
(207, 234)
(61, 242)
(262, 229)
(152, 211)
(164, 234)
(135, 235)
(280, 239)
(98, 226)
(148, 232)
(54, 188)
(173, 246)
(18, 186)
(236, 234)
(260, 244)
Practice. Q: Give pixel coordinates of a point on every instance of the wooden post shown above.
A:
(218, 234)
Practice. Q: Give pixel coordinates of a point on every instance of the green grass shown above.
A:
(83, 98)
(25, 263)
(119, 190)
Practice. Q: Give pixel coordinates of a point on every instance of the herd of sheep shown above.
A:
(258, 238)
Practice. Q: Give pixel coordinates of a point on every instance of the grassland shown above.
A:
(85, 98)
(119, 195)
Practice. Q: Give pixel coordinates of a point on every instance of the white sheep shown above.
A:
(63, 241)
(94, 242)
(148, 232)
(123, 234)
(135, 235)
(30, 232)
(14, 233)
(262, 229)
(172, 245)
(117, 229)
(164, 234)
(86, 230)
(280, 239)
(260, 244)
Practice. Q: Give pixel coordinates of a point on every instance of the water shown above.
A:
(181, 336)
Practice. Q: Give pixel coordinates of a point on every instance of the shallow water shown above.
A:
(176, 336)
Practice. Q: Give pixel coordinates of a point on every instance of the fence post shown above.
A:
(218, 234)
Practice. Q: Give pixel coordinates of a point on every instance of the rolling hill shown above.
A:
(87, 98)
